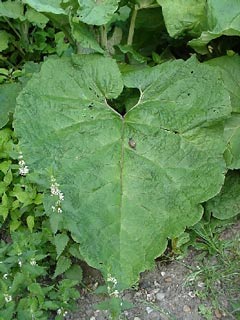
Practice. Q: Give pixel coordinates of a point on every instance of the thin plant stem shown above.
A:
(103, 34)
(132, 26)
(12, 27)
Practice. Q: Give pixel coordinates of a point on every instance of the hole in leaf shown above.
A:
(126, 101)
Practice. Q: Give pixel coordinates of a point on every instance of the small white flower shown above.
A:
(112, 282)
(5, 276)
(61, 196)
(61, 311)
(59, 210)
(7, 297)
(55, 191)
(112, 279)
(33, 262)
(19, 263)
(115, 293)
(23, 169)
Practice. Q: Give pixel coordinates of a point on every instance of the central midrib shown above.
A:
(121, 186)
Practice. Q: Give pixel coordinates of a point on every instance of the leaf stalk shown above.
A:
(132, 26)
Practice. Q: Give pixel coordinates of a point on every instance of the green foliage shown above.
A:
(217, 272)
(8, 94)
(163, 154)
(25, 286)
(97, 12)
(227, 203)
(27, 249)
(184, 17)
(222, 19)
(230, 67)
(53, 6)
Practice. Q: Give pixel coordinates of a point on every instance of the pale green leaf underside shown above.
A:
(121, 203)
(185, 16)
(51, 6)
(97, 12)
(232, 136)
(227, 203)
(223, 19)
(230, 67)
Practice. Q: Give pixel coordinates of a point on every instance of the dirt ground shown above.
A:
(167, 292)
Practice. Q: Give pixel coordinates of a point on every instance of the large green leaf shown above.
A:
(223, 19)
(232, 136)
(97, 12)
(52, 6)
(227, 203)
(84, 37)
(129, 182)
(36, 18)
(11, 9)
(184, 16)
(230, 67)
(8, 94)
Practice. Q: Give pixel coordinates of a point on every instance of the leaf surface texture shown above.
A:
(129, 182)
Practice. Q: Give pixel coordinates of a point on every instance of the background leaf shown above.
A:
(60, 240)
(30, 222)
(74, 273)
(230, 67)
(63, 264)
(52, 6)
(184, 17)
(97, 12)
(8, 94)
(232, 136)
(227, 203)
(11, 9)
(223, 19)
(84, 36)
(4, 39)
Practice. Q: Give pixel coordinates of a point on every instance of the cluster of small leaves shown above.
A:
(38, 275)
(18, 198)
(25, 35)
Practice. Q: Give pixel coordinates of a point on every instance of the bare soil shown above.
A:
(165, 293)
